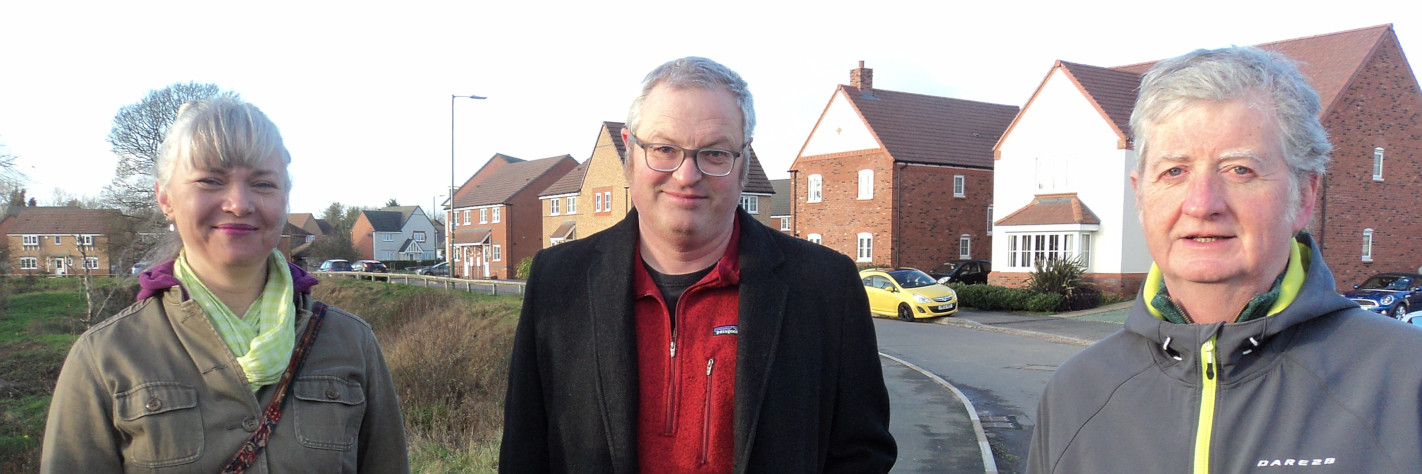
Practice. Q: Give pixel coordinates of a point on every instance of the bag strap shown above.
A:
(272, 414)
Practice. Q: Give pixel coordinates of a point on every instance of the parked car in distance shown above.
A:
(369, 266)
(1391, 294)
(438, 269)
(907, 293)
(962, 271)
(335, 265)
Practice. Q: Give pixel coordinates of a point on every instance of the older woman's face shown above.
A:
(1214, 194)
(227, 218)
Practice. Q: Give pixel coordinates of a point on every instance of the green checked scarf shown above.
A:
(263, 338)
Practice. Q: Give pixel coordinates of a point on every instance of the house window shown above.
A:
(965, 243)
(989, 222)
(419, 236)
(815, 190)
(387, 255)
(56, 240)
(597, 202)
(30, 240)
(607, 201)
(866, 247)
(29, 263)
(572, 204)
(497, 211)
(498, 253)
(750, 204)
(466, 217)
(91, 263)
(1367, 245)
(553, 206)
(388, 236)
(484, 216)
(784, 223)
(85, 240)
(958, 185)
(1026, 250)
(815, 238)
(866, 184)
(1377, 163)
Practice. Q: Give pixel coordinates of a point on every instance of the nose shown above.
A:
(238, 201)
(689, 172)
(1204, 196)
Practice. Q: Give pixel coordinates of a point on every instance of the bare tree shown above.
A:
(11, 180)
(136, 137)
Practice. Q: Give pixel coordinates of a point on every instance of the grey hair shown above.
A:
(698, 73)
(1236, 73)
(219, 134)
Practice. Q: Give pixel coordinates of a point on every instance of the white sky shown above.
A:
(361, 89)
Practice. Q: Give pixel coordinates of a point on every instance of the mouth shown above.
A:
(1205, 239)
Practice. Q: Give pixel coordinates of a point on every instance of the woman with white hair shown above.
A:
(226, 363)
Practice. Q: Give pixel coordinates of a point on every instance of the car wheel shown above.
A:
(1399, 312)
(905, 313)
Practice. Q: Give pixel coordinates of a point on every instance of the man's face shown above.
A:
(686, 205)
(1214, 196)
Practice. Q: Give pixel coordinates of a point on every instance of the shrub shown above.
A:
(1060, 276)
(524, 267)
(1044, 302)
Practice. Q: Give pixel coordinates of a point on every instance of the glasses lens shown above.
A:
(662, 157)
(715, 162)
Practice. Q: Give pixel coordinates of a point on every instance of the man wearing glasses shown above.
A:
(689, 337)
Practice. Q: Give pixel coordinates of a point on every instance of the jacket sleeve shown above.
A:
(79, 435)
(860, 441)
(382, 431)
(1038, 453)
(525, 443)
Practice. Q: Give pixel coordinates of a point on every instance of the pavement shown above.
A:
(936, 426)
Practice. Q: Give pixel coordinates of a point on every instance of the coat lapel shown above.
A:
(762, 310)
(614, 339)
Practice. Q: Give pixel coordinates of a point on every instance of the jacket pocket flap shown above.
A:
(154, 398)
(327, 389)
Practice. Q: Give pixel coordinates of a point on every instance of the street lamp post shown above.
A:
(449, 218)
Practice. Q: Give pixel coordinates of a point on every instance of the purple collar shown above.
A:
(160, 277)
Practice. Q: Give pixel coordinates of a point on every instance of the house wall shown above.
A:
(523, 233)
(604, 174)
(839, 129)
(931, 219)
(1382, 107)
(840, 215)
(418, 221)
(362, 239)
(762, 213)
(47, 250)
(1081, 152)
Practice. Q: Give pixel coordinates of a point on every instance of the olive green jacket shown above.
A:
(154, 389)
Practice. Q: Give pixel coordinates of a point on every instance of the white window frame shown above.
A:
(29, 263)
(1367, 245)
(572, 205)
(498, 253)
(784, 223)
(484, 215)
(1377, 164)
(750, 203)
(989, 219)
(387, 236)
(84, 241)
(466, 217)
(815, 238)
(1024, 249)
(960, 184)
(607, 201)
(866, 184)
(815, 189)
(497, 215)
(418, 235)
(553, 206)
(965, 246)
(56, 240)
(91, 263)
(597, 202)
(30, 240)
(864, 247)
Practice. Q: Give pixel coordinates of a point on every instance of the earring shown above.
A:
(172, 227)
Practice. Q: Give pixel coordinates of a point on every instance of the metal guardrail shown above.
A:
(493, 287)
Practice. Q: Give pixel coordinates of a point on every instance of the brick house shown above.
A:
(896, 178)
(780, 206)
(593, 196)
(496, 220)
(1070, 156)
(394, 233)
(62, 240)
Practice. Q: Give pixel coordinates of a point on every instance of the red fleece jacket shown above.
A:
(687, 379)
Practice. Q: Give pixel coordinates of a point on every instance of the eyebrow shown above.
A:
(1229, 155)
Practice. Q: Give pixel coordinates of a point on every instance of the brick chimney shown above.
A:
(862, 78)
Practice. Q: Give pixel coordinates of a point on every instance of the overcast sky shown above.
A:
(361, 90)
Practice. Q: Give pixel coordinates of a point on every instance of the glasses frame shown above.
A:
(685, 153)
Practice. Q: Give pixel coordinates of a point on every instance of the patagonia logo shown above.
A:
(725, 331)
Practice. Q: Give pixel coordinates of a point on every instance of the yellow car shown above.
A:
(907, 293)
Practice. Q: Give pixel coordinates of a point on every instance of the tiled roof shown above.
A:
(384, 221)
(1048, 209)
(470, 235)
(930, 129)
(1113, 91)
(507, 181)
(614, 131)
(565, 229)
(756, 182)
(64, 220)
(780, 203)
(569, 183)
(1329, 61)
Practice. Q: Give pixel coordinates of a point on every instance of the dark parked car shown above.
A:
(369, 266)
(1392, 294)
(438, 269)
(962, 271)
(335, 265)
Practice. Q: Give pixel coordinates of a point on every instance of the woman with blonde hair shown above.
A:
(225, 363)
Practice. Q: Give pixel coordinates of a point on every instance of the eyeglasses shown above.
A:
(668, 158)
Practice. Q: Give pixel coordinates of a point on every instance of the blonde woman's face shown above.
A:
(227, 218)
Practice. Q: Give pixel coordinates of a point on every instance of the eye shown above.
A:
(1240, 170)
(1176, 171)
(714, 154)
(662, 150)
(209, 181)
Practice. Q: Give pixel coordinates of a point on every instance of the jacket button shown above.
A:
(332, 394)
(249, 423)
(153, 404)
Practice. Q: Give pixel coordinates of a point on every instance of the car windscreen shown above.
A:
(912, 278)
(946, 268)
(1386, 283)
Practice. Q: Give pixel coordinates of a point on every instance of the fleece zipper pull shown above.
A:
(1208, 386)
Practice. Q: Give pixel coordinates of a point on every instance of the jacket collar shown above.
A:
(160, 277)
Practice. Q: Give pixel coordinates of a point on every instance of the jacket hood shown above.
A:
(160, 277)
(1317, 297)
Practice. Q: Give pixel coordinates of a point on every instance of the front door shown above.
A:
(59, 267)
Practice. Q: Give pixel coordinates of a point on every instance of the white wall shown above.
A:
(840, 129)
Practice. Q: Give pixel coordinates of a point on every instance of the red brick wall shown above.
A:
(362, 240)
(931, 219)
(1381, 108)
(841, 216)
(1125, 284)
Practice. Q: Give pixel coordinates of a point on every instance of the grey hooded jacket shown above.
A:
(1322, 386)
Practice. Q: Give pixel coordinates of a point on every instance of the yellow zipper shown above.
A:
(1206, 425)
